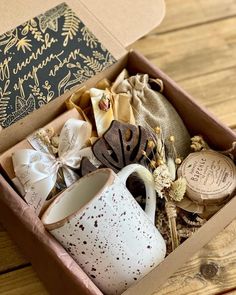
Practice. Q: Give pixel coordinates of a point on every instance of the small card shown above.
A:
(43, 58)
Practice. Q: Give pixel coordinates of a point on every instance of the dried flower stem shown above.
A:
(172, 214)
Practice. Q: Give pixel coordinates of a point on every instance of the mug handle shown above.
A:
(146, 176)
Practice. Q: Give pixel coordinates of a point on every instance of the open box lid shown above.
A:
(116, 24)
(125, 20)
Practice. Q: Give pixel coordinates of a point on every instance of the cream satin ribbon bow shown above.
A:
(37, 170)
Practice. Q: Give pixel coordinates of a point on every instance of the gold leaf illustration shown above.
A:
(25, 30)
(4, 41)
(91, 62)
(24, 44)
(4, 69)
(31, 26)
(25, 109)
(33, 23)
(98, 55)
(4, 100)
(81, 76)
(11, 43)
(63, 82)
(70, 27)
(89, 38)
(50, 18)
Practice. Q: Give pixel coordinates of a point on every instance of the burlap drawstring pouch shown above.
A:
(151, 109)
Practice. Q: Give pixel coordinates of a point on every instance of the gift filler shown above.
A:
(49, 50)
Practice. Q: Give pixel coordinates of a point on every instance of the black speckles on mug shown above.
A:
(81, 227)
(112, 240)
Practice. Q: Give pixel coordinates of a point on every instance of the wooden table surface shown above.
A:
(196, 46)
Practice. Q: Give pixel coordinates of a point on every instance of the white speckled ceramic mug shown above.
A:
(105, 230)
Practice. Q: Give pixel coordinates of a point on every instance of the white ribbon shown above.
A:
(37, 169)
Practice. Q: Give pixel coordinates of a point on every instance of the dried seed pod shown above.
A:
(172, 138)
(178, 161)
(151, 144)
(157, 130)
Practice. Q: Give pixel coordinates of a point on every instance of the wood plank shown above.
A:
(217, 92)
(194, 277)
(21, 282)
(180, 14)
(10, 255)
(185, 55)
(193, 51)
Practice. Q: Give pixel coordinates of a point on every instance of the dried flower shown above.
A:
(151, 144)
(153, 164)
(198, 143)
(172, 214)
(47, 137)
(162, 179)
(50, 132)
(172, 167)
(40, 133)
(172, 138)
(157, 130)
(55, 141)
(104, 103)
(178, 189)
(144, 153)
(43, 136)
(160, 161)
(178, 161)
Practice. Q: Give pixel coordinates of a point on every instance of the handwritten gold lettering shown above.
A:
(35, 55)
(72, 56)
(4, 69)
(33, 74)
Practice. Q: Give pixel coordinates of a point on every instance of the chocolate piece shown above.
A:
(121, 145)
(86, 167)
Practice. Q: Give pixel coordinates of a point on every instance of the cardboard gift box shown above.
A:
(131, 21)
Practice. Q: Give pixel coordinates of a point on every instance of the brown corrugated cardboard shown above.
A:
(119, 16)
(14, 210)
(112, 33)
(63, 275)
(24, 10)
(112, 22)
